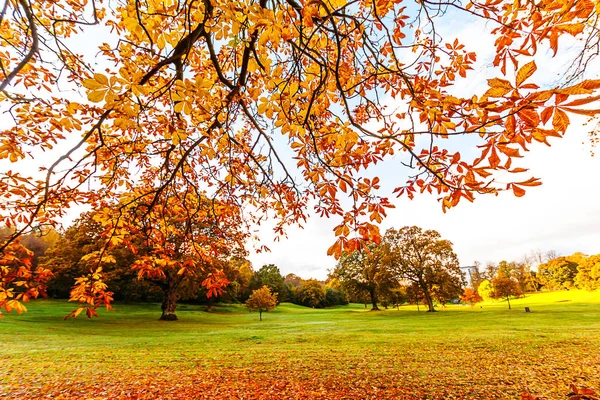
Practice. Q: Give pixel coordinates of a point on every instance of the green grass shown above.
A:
(296, 352)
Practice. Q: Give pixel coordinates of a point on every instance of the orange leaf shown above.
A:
(494, 159)
(530, 117)
(525, 72)
(519, 192)
(560, 122)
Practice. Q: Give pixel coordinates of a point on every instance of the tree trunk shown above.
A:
(508, 299)
(260, 315)
(373, 300)
(429, 301)
(169, 305)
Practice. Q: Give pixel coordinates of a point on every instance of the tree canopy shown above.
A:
(426, 260)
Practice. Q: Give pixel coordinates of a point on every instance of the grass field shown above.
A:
(295, 352)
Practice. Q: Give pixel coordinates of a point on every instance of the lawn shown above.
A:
(296, 352)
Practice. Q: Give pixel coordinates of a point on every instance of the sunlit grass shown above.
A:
(486, 351)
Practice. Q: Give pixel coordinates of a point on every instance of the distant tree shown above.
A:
(311, 294)
(293, 280)
(471, 297)
(262, 300)
(504, 288)
(588, 273)
(364, 272)
(520, 271)
(335, 297)
(486, 290)
(68, 259)
(490, 271)
(270, 276)
(423, 258)
(239, 274)
(476, 276)
(450, 287)
(558, 273)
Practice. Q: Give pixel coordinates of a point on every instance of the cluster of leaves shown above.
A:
(19, 281)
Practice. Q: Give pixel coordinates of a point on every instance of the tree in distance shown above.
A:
(364, 272)
(486, 289)
(471, 297)
(504, 288)
(311, 293)
(588, 273)
(262, 300)
(424, 259)
(274, 105)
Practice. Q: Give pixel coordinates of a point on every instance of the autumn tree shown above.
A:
(588, 273)
(425, 259)
(311, 294)
(504, 288)
(240, 273)
(180, 244)
(275, 104)
(262, 300)
(270, 276)
(365, 272)
(471, 297)
(486, 289)
(415, 295)
(519, 271)
(558, 273)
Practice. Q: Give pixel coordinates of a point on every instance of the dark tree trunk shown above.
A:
(373, 300)
(508, 299)
(429, 301)
(169, 305)
(418, 309)
(260, 315)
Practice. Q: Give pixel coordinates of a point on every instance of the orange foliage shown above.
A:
(272, 105)
(18, 282)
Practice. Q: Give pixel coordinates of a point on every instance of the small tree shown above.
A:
(262, 300)
(505, 287)
(471, 296)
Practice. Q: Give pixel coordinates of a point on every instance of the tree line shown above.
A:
(409, 265)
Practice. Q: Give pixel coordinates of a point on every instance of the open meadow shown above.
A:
(302, 353)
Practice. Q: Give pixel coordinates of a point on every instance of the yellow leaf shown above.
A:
(101, 79)
(497, 91)
(497, 82)
(96, 96)
(525, 72)
(91, 84)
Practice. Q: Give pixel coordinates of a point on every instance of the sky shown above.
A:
(561, 215)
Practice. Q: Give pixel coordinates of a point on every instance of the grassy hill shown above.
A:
(296, 352)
